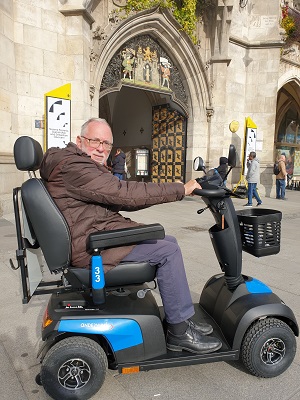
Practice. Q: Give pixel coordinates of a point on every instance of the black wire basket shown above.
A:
(260, 231)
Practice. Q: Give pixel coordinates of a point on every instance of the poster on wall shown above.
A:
(296, 169)
(250, 141)
(292, 159)
(58, 117)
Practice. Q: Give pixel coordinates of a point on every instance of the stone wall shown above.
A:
(232, 73)
(43, 45)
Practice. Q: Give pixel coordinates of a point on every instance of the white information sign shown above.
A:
(250, 141)
(58, 117)
(58, 122)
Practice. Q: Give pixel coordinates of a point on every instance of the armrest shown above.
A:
(123, 237)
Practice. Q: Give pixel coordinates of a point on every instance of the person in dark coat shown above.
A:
(118, 164)
(91, 198)
(223, 167)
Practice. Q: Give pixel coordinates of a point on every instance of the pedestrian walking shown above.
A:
(253, 178)
(281, 178)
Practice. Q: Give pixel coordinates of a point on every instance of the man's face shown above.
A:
(97, 132)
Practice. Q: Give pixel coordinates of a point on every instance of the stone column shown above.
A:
(78, 37)
(218, 73)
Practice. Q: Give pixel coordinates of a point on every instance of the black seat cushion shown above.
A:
(122, 275)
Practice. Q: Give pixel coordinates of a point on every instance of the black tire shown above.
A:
(268, 348)
(74, 368)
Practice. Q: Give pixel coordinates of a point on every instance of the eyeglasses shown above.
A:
(95, 143)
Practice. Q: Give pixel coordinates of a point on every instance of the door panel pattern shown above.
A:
(168, 145)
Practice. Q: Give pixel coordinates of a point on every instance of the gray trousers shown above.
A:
(171, 277)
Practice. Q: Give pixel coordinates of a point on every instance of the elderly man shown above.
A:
(90, 198)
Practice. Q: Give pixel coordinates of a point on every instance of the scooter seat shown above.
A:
(123, 274)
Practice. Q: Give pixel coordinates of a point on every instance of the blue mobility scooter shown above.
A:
(94, 322)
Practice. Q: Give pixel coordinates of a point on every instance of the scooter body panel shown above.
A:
(229, 312)
(234, 311)
(131, 326)
(145, 342)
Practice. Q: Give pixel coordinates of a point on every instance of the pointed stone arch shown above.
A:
(288, 95)
(161, 26)
(287, 132)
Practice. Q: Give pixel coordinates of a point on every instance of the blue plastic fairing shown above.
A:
(120, 332)
(256, 286)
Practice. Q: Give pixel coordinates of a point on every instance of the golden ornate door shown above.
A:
(168, 145)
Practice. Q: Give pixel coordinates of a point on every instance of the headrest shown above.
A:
(28, 154)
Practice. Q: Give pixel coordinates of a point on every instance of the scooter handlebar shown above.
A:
(215, 192)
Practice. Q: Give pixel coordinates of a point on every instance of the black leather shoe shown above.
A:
(201, 327)
(192, 341)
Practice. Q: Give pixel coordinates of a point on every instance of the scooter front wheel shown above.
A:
(74, 368)
(268, 348)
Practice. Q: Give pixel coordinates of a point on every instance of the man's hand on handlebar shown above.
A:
(190, 186)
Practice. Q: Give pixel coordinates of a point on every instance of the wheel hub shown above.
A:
(74, 374)
(273, 351)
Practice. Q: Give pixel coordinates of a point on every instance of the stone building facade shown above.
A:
(142, 69)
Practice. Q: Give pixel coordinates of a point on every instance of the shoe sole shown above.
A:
(181, 348)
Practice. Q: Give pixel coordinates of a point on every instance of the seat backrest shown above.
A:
(44, 218)
(48, 224)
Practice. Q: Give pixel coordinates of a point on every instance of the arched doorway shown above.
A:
(287, 136)
(151, 121)
(188, 92)
(148, 111)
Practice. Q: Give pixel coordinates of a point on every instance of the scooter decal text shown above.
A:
(120, 332)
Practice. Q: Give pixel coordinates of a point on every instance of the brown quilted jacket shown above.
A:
(90, 198)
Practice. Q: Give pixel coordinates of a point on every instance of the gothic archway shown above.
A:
(160, 25)
(287, 133)
(190, 88)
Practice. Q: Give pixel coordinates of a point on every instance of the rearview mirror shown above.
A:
(232, 156)
(199, 164)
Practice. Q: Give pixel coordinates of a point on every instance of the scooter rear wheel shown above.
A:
(268, 348)
(74, 368)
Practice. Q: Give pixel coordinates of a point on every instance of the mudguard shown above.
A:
(234, 311)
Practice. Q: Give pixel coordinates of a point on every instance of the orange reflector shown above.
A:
(46, 319)
(131, 370)
(47, 322)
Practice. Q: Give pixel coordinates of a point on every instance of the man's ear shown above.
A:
(78, 141)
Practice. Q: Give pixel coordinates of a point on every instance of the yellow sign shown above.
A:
(250, 123)
(58, 117)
